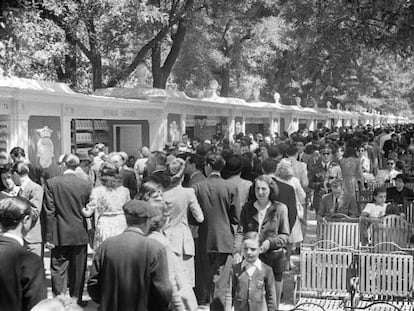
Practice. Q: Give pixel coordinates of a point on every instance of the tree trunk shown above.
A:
(225, 82)
(160, 74)
(158, 78)
(96, 62)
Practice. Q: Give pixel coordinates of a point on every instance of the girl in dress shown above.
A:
(106, 204)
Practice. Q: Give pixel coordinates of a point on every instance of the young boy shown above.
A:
(252, 280)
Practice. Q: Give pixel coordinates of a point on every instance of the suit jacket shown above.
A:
(347, 205)
(130, 272)
(300, 171)
(275, 226)
(248, 291)
(65, 197)
(34, 193)
(287, 196)
(389, 146)
(218, 200)
(129, 180)
(22, 277)
(195, 178)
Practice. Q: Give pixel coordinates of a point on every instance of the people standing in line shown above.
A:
(252, 280)
(66, 231)
(218, 200)
(130, 271)
(22, 276)
(106, 203)
(267, 216)
(34, 193)
(181, 201)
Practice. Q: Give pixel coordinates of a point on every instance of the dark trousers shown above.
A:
(220, 268)
(202, 275)
(68, 261)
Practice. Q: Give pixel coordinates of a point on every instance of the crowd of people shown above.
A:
(201, 223)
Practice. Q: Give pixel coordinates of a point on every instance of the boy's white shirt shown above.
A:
(251, 267)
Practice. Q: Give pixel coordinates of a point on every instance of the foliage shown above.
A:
(357, 52)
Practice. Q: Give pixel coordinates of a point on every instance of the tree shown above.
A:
(114, 36)
(229, 43)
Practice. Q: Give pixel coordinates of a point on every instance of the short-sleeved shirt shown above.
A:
(374, 210)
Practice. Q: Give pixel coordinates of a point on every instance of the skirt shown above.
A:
(108, 226)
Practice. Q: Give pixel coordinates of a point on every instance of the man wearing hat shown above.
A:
(337, 202)
(318, 173)
(399, 193)
(130, 271)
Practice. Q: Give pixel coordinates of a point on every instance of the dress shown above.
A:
(351, 173)
(179, 201)
(296, 235)
(109, 216)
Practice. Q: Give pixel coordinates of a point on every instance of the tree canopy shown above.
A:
(354, 52)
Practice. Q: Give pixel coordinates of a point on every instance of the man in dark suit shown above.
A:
(337, 202)
(128, 178)
(22, 278)
(34, 193)
(390, 145)
(218, 200)
(130, 271)
(194, 173)
(286, 192)
(66, 231)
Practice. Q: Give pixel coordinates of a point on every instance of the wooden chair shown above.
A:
(342, 232)
(385, 281)
(409, 211)
(354, 280)
(324, 278)
(393, 228)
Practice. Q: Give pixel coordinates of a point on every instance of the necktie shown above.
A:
(298, 157)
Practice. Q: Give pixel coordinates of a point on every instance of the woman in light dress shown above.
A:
(183, 297)
(179, 202)
(106, 203)
(284, 173)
